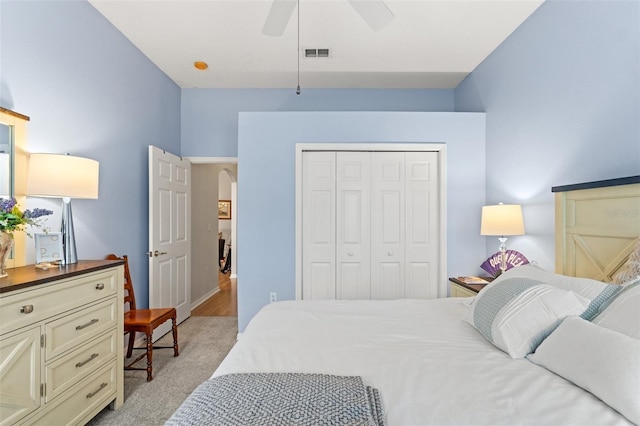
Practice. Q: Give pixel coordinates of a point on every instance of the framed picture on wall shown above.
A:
(48, 247)
(224, 209)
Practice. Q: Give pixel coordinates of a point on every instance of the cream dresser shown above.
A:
(61, 343)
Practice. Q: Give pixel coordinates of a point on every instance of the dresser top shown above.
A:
(28, 276)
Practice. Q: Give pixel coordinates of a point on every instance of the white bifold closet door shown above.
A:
(370, 225)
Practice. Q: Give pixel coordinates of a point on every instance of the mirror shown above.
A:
(13, 170)
(6, 161)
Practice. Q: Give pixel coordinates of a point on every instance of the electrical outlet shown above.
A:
(273, 297)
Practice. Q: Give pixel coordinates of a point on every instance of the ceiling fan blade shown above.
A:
(278, 17)
(374, 12)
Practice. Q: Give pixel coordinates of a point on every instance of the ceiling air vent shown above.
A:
(316, 53)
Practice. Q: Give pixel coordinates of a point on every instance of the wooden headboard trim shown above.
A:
(597, 226)
(597, 184)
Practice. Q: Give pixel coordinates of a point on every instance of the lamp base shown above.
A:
(503, 254)
(68, 235)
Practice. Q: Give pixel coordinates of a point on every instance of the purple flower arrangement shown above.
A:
(13, 219)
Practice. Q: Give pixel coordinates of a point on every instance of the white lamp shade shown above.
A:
(55, 175)
(502, 219)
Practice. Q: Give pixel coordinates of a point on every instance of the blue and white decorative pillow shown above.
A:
(517, 314)
(596, 291)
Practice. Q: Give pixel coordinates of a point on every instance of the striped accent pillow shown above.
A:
(517, 314)
(601, 300)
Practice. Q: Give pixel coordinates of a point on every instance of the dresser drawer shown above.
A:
(42, 301)
(73, 406)
(75, 329)
(69, 369)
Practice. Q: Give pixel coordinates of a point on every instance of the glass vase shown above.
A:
(6, 243)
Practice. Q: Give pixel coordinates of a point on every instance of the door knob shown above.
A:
(159, 253)
(350, 253)
(390, 253)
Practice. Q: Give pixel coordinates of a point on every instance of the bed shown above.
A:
(533, 348)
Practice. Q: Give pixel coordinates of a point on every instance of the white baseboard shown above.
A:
(204, 298)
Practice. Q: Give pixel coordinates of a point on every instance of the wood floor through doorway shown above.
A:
(223, 303)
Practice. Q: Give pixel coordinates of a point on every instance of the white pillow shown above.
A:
(516, 314)
(599, 360)
(596, 291)
(622, 313)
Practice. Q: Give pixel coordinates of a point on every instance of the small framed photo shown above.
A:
(48, 247)
(224, 209)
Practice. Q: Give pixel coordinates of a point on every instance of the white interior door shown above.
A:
(169, 234)
(353, 190)
(371, 223)
(421, 225)
(387, 225)
(318, 225)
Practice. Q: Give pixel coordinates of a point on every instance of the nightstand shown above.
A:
(461, 289)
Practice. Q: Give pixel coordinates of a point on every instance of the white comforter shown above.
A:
(431, 367)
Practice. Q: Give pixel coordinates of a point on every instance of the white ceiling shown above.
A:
(429, 44)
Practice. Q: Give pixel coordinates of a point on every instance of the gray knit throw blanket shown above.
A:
(281, 399)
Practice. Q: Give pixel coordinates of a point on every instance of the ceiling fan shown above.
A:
(374, 12)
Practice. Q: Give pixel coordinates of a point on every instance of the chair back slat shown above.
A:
(129, 297)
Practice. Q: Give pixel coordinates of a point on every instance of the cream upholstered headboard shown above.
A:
(597, 226)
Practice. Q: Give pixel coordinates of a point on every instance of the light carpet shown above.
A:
(203, 342)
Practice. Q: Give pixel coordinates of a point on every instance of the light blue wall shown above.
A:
(90, 92)
(266, 182)
(562, 97)
(210, 116)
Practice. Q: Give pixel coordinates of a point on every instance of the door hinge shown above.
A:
(42, 340)
(43, 388)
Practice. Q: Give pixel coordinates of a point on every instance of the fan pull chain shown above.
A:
(298, 87)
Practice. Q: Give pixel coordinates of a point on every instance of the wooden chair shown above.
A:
(144, 321)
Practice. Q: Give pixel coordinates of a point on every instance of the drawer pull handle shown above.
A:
(80, 364)
(93, 321)
(100, 286)
(26, 309)
(92, 394)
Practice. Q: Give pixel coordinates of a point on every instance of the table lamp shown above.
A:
(502, 220)
(66, 177)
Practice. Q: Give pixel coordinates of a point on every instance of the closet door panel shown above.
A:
(353, 187)
(388, 281)
(322, 283)
(422, 222)
(318, 225)
(387, 225)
